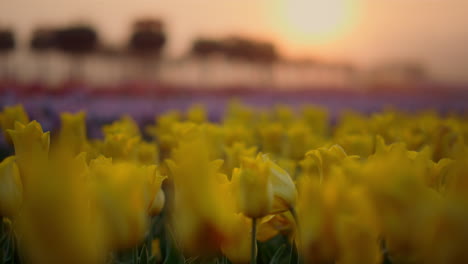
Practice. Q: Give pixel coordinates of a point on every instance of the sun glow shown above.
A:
(318, 21)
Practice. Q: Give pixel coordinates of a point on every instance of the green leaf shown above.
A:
(268, 248)
(144, 255)
(135, 256)
(171, 253)
(152, 260)
(277, 257)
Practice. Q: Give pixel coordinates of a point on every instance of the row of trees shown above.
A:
(147, 38)
(145, 43)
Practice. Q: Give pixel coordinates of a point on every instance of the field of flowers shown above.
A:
(260, 186)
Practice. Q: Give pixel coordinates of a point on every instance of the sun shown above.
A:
(319, 21)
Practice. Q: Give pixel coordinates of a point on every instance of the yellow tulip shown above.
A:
(284, 189)
(73, 132)
(162, 131)
(315, 212)
(337, 222)
(56, 223)
(238, 133)
(235, 152)
(147, 153)
(11, 188)
(196, 114)
(269, 181)
(126, 125)
(201, 220)
(9, 116)
(317, 119)
(255, 188)
(119, 146)
(238, 114)
(298, 141)
(407, 208)
(157, 204)
(157, 196)
(31, 151)
(283, 114)
(360, 144)
(272, 138)
(237, 246)
(272, 225)
(449, 234)
(357, 228)
(318, 162)
(290, 166)
(124, 197)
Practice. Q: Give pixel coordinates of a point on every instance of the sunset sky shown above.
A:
(366, 32)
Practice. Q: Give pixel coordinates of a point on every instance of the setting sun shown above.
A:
(320, 21)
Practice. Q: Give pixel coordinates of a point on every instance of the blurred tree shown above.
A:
(111, 58)
(42, 42)
(263, 55)
(239, 48)
(77, 41)
(7, 45)
(146, 44)
(398, 74)
(204, 49)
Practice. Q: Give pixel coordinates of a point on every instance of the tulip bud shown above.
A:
(284, 189)
(157, 199)
(157, 204)
(256, 190)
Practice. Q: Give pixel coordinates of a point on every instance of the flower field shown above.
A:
(272, 185)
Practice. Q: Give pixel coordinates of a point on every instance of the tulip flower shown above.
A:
(9, 116)
(55, 220)
(272, 137)
(196, 114)
(401, 198)
(283, 114)
(237, 247)
(298, 141)
(255, 188)
(316, 119)
(337, 223)
(125, 194)
(318, 162)
(235, 153)
(11, 188)
(73, 132)
(201, 218)
(126, 125)
(31, 151)
(284, 189)
(238, 114)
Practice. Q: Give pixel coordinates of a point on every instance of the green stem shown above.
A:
(1, 226)
(294, 246)
(253, 256)
(1, 239)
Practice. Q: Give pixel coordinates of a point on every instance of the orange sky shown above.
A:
(366, 32)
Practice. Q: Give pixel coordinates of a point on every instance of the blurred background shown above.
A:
(146, 56)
